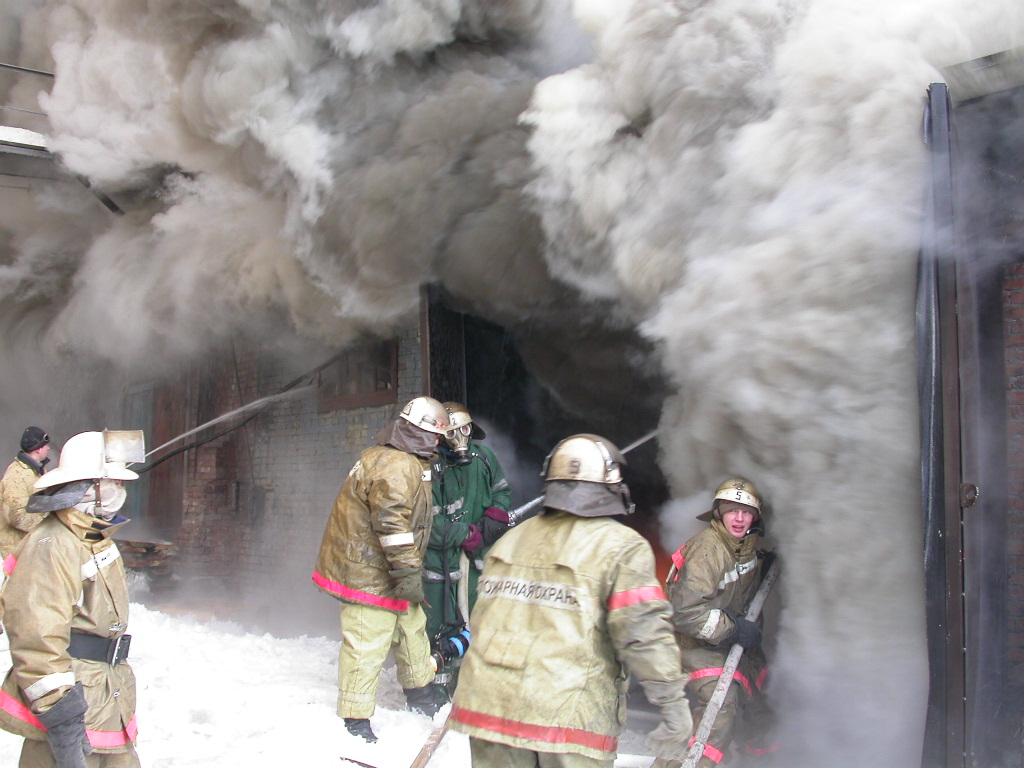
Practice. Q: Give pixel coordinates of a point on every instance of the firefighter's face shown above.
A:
(737, 518)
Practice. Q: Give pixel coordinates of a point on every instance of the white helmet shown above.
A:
(426, 413)
(97, 455)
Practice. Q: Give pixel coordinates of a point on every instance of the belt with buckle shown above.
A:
(112, 650)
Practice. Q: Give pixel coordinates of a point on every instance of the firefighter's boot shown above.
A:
(423, 700)
(360, 726)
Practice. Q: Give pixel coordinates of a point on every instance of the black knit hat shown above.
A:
(33, 438)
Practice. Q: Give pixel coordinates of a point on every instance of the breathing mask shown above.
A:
(461, 429)
(103, 499)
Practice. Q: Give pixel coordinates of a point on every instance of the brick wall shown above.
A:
(1013, 310)
(257, 499)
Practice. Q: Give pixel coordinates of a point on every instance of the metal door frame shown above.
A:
(939, 390)
(962, 384)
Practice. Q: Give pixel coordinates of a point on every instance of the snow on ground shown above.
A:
(212, 694)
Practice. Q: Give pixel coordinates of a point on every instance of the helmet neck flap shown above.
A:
(404, 436)
(586, 499)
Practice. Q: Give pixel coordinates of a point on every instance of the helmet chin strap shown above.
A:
(100, 507)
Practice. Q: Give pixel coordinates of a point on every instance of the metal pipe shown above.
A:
(26, 111)
(247, 407)
(26, 70)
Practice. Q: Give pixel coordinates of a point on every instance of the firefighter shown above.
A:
(371, 559)
(471, 502)
(712, 580)
(569, 605)
(70, 691)
(17, 485)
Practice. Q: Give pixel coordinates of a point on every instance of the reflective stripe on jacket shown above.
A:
(713, 572)
(567, 607)
(380, 523)
(68, 576)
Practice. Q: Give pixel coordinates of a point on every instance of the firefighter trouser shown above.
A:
(443, 616)
(37, 754)
(745, 713)
(487, 754)
(367, 635)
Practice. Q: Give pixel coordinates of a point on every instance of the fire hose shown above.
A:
(449, 649)
(732, 661)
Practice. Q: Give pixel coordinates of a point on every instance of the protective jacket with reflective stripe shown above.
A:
(68, 576)
(15, 488)
(712, 572)
(380, 523)
(567, 607)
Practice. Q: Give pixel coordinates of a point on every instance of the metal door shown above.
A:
(973, 720)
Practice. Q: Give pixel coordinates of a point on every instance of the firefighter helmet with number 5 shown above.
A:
(737, 489)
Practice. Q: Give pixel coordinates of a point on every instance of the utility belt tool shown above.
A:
(112, 650)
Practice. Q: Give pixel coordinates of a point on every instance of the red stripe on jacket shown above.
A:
(677, 557)
(738, 677)
(9, 562)
(99, 739)
(549, 734)
(340, 590)
(634, 596)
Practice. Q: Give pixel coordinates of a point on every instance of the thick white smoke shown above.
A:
(741, 180)
(748, 176)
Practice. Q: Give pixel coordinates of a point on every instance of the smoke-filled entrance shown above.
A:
(482, 364)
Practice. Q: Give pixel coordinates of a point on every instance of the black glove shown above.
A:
(409, 584)
(746, 633)
(65, 729)
(671, 739)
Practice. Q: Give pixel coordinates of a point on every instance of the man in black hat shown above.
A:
(17, 485)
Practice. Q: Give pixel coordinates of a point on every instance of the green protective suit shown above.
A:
(715, 574)
(461, 495)
(569, 606)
